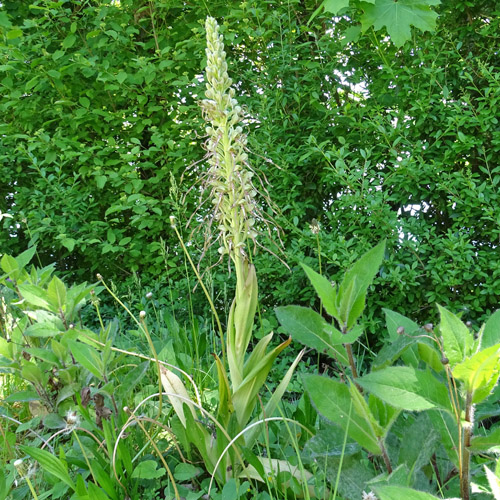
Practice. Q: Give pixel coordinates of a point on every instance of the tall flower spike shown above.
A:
(232, 191)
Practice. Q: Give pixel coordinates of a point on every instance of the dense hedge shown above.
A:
(100, 122)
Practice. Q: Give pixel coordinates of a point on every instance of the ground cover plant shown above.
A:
(146, 394)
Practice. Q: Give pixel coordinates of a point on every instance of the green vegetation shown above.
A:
(305, 174)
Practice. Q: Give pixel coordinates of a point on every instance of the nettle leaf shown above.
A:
(398, 17)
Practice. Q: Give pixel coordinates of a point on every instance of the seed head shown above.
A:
(401, 330)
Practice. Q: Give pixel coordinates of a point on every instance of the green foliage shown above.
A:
(370, 120)
(448, 394)
(397, 17)
(98, 130)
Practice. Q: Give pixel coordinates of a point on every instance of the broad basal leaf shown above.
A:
(398, 17)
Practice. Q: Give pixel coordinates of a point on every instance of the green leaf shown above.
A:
(398, 17)
(401, 492)
(121, 76)
(69, 41)
(68, 243)
(333, 400)
(42, 330)
(15, 33)
(147, 469)
(274, 400)
(446, 425)
(384, 413)
(363, 410)
(43, 354)
(335, 6)
(325, 290)
(22, 397)
(111, 236)
(392, 351)
(5, 21)
(185, 472)
(56, 294)
(394, 320)
(50, 463)
(414, 451)
(352, 291)
(480, 372)
(131, 379)
(84, 101)
(230, 491)
(54, 421)
(88, 357)
(31, 372)
(493, 481)
(491, 333)
(489, 443)
(457, 338)
(255, 370)
(54, 74)
(100, 180)
(328, 442)
(351, 35)
(407, 388)
(35, 295)
(429, 354)
(10, 266)
(24, 258)
(309, 328)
